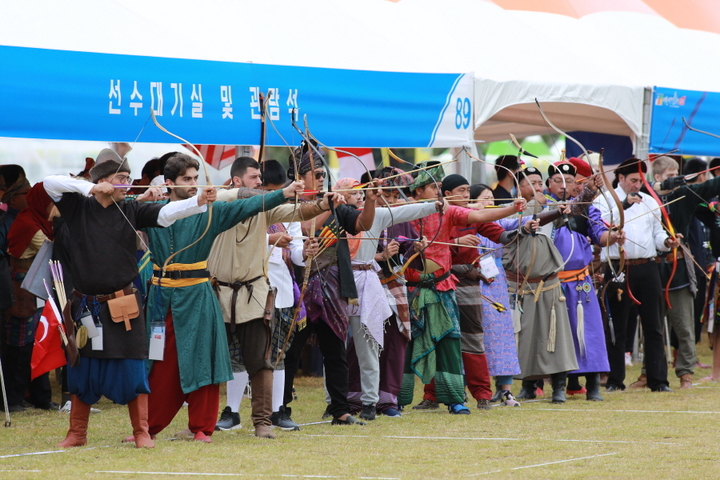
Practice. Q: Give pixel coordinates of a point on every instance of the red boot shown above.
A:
(79, 415)
(138, 409)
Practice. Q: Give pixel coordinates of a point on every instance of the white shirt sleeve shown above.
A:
(179, 209)
(56, 185)
(296, 245)
(659, 234)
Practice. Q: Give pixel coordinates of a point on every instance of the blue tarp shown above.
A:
(68, 95)
(701, 110)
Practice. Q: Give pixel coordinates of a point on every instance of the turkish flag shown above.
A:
(217, 156)
(48, 353)
(349, 165)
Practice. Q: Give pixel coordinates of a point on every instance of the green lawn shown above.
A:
(629, 435)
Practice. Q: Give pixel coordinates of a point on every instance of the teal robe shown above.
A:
(203, 356)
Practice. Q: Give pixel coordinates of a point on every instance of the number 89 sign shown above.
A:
(463, 113)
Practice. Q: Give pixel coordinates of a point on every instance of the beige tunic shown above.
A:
(545, 342)
(239, 255)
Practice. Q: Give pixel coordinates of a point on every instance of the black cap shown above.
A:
(451, 182)
(562, 167)
(629, 166)
(529, 171)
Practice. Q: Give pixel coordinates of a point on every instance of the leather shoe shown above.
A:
(663, 388)
(613, 388)
(686, 381)
(641, 382)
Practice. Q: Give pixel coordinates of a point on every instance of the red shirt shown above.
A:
(462, 255)
(439, 228)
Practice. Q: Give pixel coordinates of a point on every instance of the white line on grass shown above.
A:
(624, 411)
(32, 453)
(543, 464)
(493, 439)
(211, 474)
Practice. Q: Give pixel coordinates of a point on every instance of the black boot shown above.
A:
(573, 383)
(558, 386)
(528, 390)
(592, 384)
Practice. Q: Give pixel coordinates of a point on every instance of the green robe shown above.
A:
(203, 356)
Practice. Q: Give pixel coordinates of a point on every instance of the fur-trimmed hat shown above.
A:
(107, 163)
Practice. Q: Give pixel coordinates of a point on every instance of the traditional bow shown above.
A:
(207, 180)
(621, 214)
(670, 229)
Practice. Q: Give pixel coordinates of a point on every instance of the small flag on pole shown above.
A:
(47, 353)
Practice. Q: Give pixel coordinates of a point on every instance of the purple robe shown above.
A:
(577, 252)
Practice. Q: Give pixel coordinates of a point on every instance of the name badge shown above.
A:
(488, 267)
(89, 323)
(97, 341)
(157, 342)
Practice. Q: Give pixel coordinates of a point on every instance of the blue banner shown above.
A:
(668, 132)
(93, 96)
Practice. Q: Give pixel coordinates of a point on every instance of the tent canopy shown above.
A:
(587, 61)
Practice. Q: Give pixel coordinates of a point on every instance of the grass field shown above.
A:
(634, 434)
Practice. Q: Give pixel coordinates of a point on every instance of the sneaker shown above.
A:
(426, 405)
(12, 408)
(326, 414)
(47, 406)
(368, 412)
(458, 409)
(484, 404)
(229, 420)
(350, 420)
(282, 419)
(392, 412)
(628, 359)
(509, 400)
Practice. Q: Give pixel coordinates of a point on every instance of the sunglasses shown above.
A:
(319, 175)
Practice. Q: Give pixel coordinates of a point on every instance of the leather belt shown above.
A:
(517, 279)
(431, 282)
(233, 301)
(668, 257)
(365, 266)
(178, 274)
(639, 261)
(103, 298)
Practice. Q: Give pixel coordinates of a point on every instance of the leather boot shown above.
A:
(528, 390)
(558, 386)
(138, 409)
(79, 415)
(261, 404)
(592, 384)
